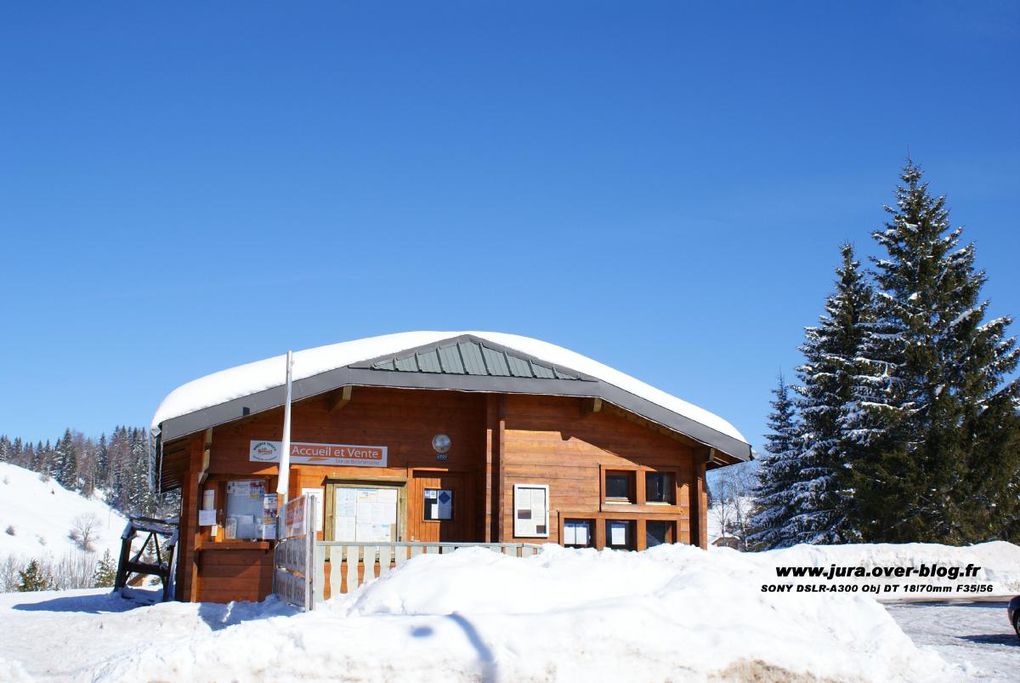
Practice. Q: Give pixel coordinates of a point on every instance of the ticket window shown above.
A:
(578, 533)
(659, 532)
(366, 514)
(620, 534)
(250, 512)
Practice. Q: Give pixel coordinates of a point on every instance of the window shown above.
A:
(247, 516)
(620, 534)
(620, 487)
(659, 487)
(531, 510)
(438, 504)
(658, 532)
(577, 533)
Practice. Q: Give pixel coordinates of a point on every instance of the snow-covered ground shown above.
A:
(671, 613)
(972, 634)
(36, 517)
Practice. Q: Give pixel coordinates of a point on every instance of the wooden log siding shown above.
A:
(550, 441)
(498, 441)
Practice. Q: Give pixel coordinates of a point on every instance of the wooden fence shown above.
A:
(339, 567)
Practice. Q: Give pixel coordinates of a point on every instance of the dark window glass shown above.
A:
(618, 485)
(658, 532)
(659, 487)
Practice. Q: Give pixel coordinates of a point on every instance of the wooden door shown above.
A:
(440, 507)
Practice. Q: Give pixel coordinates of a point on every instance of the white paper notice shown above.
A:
(345, 529)
(569, 534)
(346, 502)
(538, 505)
(206, 517)
(523, 499)
(434, 512)
(618, 533)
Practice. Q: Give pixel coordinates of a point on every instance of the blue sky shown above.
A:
(661, 186)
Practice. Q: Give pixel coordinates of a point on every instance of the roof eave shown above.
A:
(274, 397)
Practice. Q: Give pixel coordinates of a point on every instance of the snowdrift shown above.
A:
(36, 517)
(671, 613)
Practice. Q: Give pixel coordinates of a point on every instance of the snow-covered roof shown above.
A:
(216, 398)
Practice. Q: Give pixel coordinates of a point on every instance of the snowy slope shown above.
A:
(42, 513)
(247, 379)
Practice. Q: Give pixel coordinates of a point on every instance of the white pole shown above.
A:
(283, 480)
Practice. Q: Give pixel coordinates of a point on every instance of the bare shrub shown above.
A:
(75, 569)
(84, 531)
(9, 578)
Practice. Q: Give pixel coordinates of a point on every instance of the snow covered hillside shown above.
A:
(36, 517)
(671, 613)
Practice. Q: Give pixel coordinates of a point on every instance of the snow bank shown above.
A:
(42, 513)
(671, 613)
(244, 380)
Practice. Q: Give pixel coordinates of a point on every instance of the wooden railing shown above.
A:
(340, 567)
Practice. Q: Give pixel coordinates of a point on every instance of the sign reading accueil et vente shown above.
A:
(335, 454)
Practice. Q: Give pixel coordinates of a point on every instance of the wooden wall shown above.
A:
(558, 442)
(497, 441)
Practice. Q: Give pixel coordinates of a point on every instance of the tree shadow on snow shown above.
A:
(994, 639)
(486, 659)
(218, 616)
(102, 603)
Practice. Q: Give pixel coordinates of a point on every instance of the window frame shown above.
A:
(632, 531)
(671, 531)
(631, 476)
(680, 490)
(670, 488)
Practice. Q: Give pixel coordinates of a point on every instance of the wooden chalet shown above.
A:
(432, 437)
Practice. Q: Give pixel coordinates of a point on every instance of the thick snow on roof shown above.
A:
(244, 380)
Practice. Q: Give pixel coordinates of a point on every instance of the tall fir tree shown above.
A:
(933, 403)
(824, 492)
(64, 461)
(778, 470)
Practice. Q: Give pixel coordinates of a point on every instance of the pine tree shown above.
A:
(831, 351)
(932, 394)
(778, 470)
(64, 463)
(106, 572)
(33, 578)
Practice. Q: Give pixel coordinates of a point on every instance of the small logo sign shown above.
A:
(265, 451)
